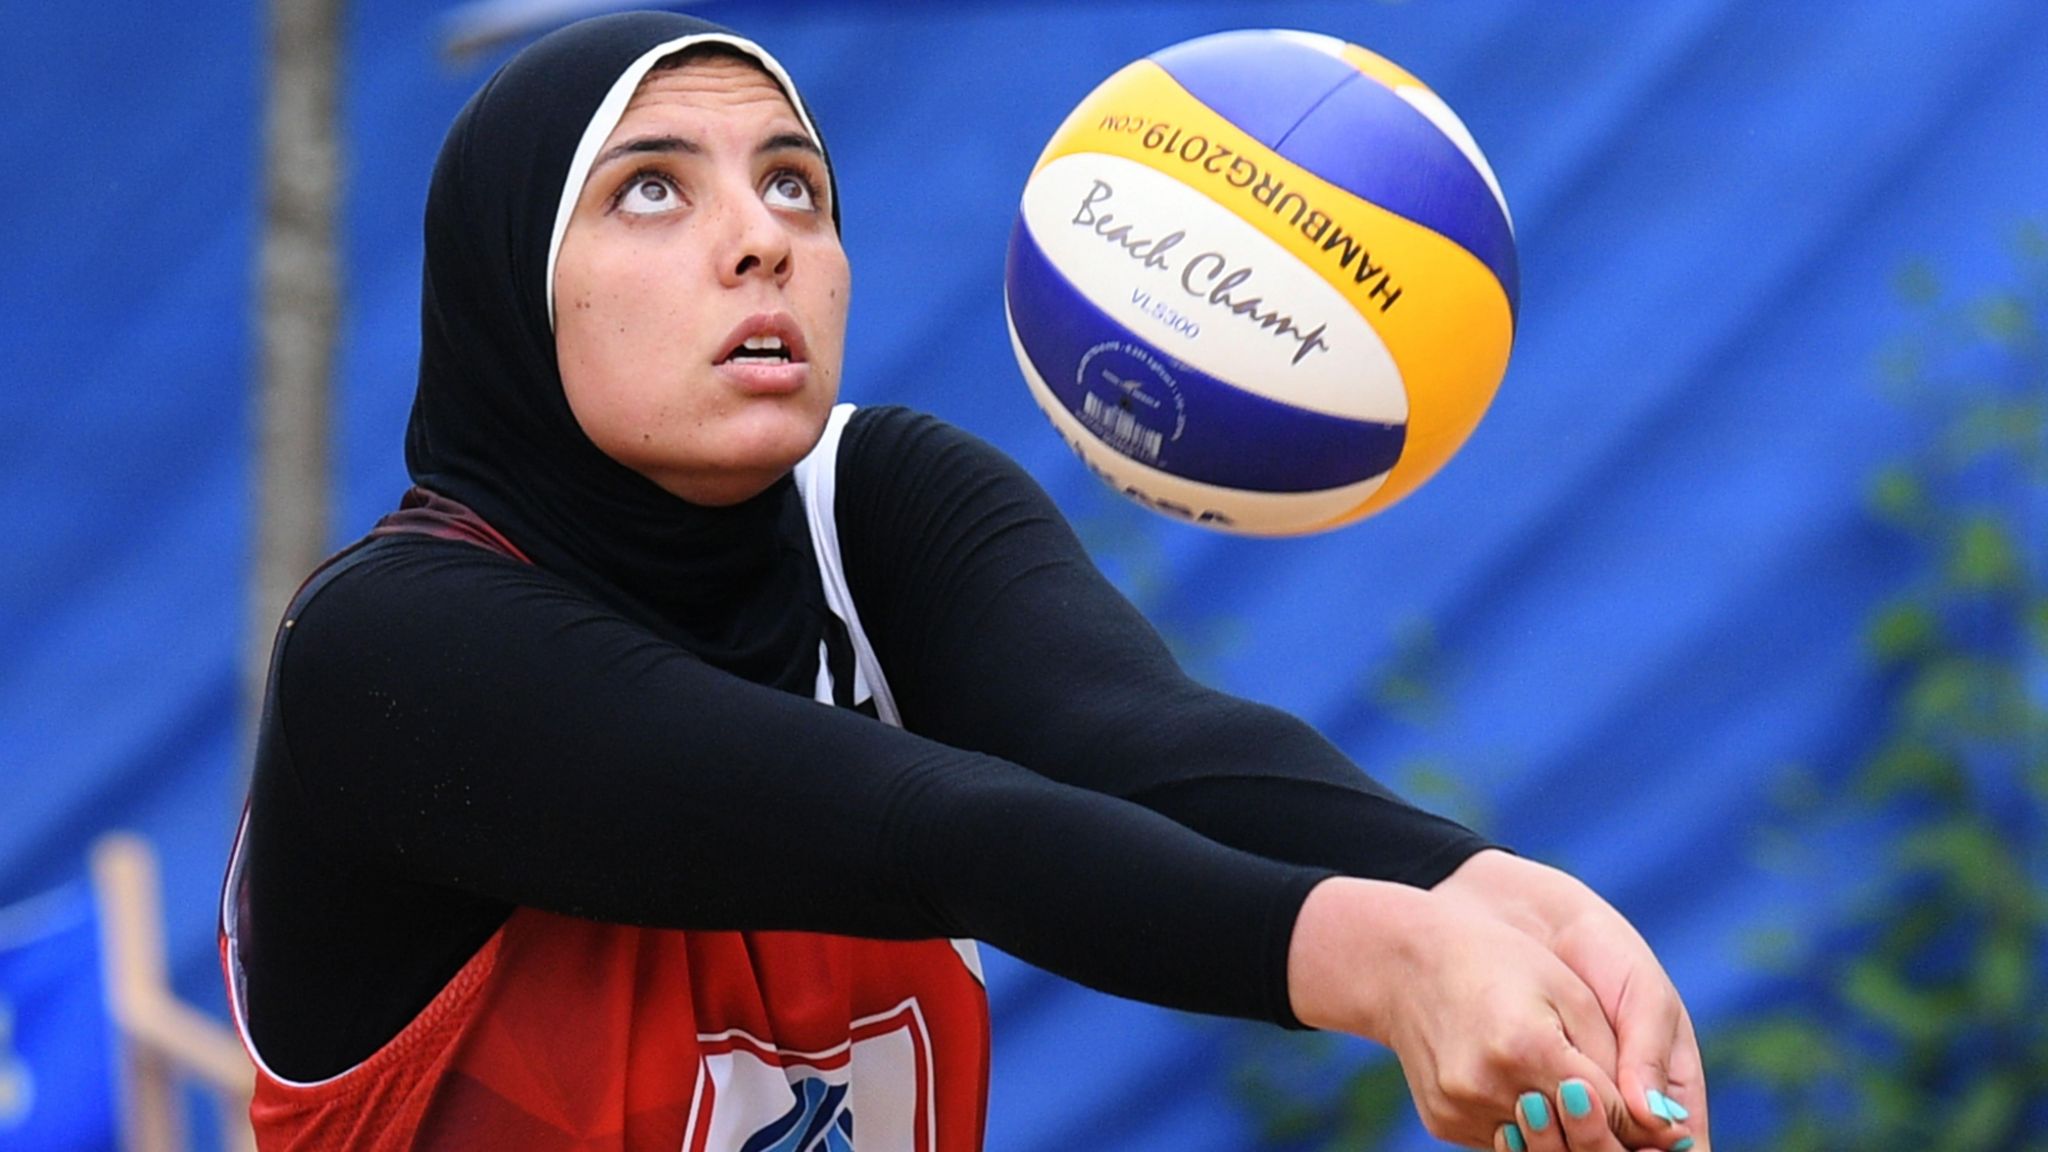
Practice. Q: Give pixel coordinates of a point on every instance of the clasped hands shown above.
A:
(1527, 1014)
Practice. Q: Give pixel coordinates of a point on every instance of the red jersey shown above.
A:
(566, 1034)
(570, 1034)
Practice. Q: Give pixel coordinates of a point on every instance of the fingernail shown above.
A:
(1664, 1107)
(1513, 1136)
(1536, 1110)
(1576, 1098)
(1684, 1145)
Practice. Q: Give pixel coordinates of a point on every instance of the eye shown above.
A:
(647, 194)
(788, 189)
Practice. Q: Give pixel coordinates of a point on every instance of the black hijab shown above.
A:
(491, 426)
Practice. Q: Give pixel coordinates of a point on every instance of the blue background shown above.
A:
(55, 1041)
(1636, 597)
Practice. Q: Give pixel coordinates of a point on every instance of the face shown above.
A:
(700, 289)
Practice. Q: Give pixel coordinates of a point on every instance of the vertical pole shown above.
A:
(299, 310)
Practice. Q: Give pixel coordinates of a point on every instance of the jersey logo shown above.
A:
(756, 1097)
(821, 1120)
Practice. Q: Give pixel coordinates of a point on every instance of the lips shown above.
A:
(765, 339)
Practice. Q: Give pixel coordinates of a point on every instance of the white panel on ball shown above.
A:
(1235, 509)
(1155, 255)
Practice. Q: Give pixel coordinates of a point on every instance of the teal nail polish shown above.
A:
(1576, 1099)
(1664, 1107)
(1514, 1138)
(1536, 1110)
(1684, 1145)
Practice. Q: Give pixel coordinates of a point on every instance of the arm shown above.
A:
(466, 724)
(999, 634)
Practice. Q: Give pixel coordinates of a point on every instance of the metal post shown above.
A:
(299, 310)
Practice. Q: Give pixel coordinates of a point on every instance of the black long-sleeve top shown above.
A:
(452, 733)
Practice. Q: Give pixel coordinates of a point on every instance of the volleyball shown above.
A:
(1263, 281)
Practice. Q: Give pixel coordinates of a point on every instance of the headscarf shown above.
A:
(491, 426)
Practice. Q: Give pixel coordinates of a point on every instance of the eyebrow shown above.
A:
(780, 142)
(789, 141)
(640, 144)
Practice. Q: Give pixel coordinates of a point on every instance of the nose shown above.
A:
(756, 243)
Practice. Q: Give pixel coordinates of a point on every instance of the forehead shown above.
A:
(715, 87)
(684, 101)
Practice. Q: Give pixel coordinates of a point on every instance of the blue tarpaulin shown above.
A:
(56, 1071)
(1604, 633)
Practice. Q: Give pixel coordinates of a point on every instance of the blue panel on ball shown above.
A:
(1377, 146)
(1349, 129)
(1161, 412)
(1262, 84)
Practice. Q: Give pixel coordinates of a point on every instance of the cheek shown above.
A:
(609, 307)
(581, 347)
(830, 301)
(598, 363)
(614, 330)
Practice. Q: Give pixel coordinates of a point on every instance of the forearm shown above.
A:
(1291, 797)
(999, 634)
(636, 784)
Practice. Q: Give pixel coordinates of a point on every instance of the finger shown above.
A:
(1585, 1023)
(1687, 1135)
(1587, 1054)
(1582, 1122)
(1508, 1138)
(1664, 1089)
(1599, 1121)
(1539, 1124)
(1688, 1085)
(1647, 1030)
(1593, 1056)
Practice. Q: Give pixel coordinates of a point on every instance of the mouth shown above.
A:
(766, 340)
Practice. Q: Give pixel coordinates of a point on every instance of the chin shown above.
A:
(753, 453)
(782, 432)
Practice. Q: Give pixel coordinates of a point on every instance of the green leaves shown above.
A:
(1786, 1052)
(1981, 555)
(1916, 283)
(1921, 1006)
(1358, 1111)
(1898, 497)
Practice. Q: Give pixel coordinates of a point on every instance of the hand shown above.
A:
(1657, 1050)
(1476, 1009)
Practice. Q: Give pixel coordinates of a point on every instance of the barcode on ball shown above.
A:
(1120, 429)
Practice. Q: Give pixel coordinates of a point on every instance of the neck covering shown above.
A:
(491, 426)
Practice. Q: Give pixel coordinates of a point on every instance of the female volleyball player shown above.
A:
(640, 782)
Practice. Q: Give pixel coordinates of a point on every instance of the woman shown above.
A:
(640, 782)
